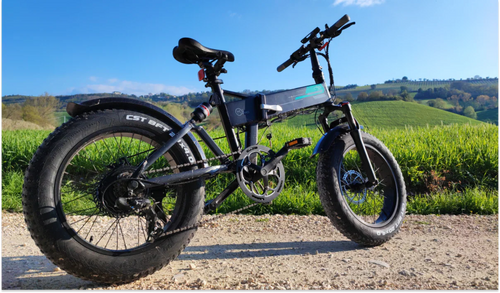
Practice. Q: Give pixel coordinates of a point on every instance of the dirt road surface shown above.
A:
(291, 252)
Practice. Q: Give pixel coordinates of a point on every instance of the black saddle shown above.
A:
(190, 51)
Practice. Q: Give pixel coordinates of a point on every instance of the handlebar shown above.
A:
(285, 65)
(328, 33)
(331, 31)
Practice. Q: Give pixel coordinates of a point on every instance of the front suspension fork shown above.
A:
(355, 132)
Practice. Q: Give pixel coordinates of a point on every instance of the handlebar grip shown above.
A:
(345, 19)
(284, 65)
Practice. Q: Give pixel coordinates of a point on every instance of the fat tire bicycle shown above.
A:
(118, 191)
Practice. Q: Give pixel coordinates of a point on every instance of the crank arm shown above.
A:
(281, 154)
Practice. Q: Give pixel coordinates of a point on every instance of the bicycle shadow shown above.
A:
(37, 272)
(248, 250)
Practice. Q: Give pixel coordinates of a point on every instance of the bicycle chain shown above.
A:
(208, 220)
(200, 223)
(191, 164)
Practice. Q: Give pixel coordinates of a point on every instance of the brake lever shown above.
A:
(299, 60)
(346, 26)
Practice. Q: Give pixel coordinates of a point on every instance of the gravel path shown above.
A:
(292, 252)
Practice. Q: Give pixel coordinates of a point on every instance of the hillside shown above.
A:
(412, 86)
(490, 116)
(394, 114)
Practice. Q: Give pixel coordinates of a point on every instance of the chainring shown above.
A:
(262, 189)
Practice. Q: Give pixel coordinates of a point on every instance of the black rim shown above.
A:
(375, 207)
(90, 218)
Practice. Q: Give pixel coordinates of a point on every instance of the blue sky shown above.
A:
(67, 47)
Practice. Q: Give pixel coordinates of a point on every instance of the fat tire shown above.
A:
(45, 225)
(336, 207)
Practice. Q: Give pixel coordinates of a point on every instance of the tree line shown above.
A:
(39, 110)
(464, 97)
(374, 95)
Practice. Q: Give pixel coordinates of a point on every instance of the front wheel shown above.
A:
(368, 216)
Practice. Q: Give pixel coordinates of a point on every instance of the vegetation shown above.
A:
(449, 161)
(490, 116)
(393, 114)
(37, 110)
(459, 160)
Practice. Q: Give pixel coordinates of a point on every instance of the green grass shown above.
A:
(447, 105)
(490, 116)
(471, 201)
(400, 114)
(393, 114)
(433, 159)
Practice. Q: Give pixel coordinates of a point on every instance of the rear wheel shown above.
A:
(369, 216)
(72, 185)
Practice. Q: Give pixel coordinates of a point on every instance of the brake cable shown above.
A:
(330, 71)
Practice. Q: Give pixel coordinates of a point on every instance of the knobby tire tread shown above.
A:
(337, 209)
(38, 229)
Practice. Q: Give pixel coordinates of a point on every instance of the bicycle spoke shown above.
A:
(123, 237)
(83, 219)
(105, 232)
(81, 180)
(91, 227)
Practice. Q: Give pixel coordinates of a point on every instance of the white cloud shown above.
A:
(93, 78)
(360, 3)
(133, 87)
(234, 14)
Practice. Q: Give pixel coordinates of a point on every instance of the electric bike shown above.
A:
(118, 191)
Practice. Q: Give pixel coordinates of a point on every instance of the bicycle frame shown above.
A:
(249, 112)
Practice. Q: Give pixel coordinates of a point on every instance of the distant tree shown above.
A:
(375, 96)
(403, 88)
(439, 103)
(407, 97)
(348, 97)
(31, 114)
(458, 109)
(469, 112)
(362, 96)
(373, 86)
(12, 111)
(404, 79)
(2, 109)
(465, 97)
(40, 110)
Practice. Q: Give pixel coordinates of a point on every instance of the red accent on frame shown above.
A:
(201, 74)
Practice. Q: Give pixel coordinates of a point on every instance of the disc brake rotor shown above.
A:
(259, 188)
(351, 178)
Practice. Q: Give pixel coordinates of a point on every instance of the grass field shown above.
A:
(433, 159)
(393, 114)
(490, 116)
(447, 105)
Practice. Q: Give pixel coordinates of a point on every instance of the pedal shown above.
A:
(298, 143)
(291, 145)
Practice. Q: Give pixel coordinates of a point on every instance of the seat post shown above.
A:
(218, 100)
